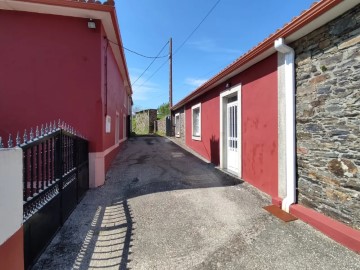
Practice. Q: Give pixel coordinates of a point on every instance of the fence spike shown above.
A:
(37, 133)
(42, 130)
(25, 136)
(46, 129)
(1, 143)
(10, 141)
(63, 125)
(59, 124)
(54, 126)
(31, 134)
(50, 127)
(18, 141)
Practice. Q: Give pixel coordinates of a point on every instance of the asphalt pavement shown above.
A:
(163, 208)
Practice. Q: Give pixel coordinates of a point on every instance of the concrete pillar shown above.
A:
(11, 209)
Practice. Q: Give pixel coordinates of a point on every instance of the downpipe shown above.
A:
(289, 53)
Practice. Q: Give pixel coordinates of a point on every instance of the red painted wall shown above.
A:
(50, 69)
(55, 67)
(208, 147)
(113, 96)
(12, 252)
(259, 125)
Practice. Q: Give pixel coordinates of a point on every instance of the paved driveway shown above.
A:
(162, 208)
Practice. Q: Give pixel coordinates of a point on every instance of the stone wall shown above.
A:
(328, 118)
(161, 126)
(152, 119)
(144, 121)
(181, 138)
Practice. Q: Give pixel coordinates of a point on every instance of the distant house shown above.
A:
(284, 117)
(64, 60)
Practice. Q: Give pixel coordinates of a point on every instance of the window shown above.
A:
(177, 125)
(117, 127)
(196, 122)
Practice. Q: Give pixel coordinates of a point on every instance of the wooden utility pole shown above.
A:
(170, 88)
(170, 77)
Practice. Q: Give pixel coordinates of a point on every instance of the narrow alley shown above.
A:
(163, 208)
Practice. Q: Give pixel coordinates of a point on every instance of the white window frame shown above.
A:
(177, 123)
(197, 106)
(117, 128)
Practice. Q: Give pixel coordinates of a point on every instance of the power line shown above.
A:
(188, 37)
(150, 64)
(155, 57)
(152, 75)
(196, 28)
(134, 52)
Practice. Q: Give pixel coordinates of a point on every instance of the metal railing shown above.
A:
(55, 178)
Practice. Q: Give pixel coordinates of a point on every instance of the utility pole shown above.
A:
(170, 77)
(170, 86)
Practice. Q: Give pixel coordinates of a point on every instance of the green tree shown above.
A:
(163, 110)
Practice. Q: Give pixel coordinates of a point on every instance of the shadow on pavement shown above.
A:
(108, 241)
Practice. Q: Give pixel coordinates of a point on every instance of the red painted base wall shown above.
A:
(259, 125)
(12, 252)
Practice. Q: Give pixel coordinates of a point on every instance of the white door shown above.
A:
(232, 137)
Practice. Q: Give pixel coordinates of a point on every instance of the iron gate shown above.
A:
(55, 178)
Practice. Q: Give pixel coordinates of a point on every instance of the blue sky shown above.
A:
(234, 27)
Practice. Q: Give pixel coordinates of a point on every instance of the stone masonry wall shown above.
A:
(161, 126)
(181, 139)
(144, 121)
(328, 118)
(141, 123)
(152, 119)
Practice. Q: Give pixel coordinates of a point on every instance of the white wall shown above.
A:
(11, 190)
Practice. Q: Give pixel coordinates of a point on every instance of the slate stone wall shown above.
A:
(161, 126)
(181, 139)
(144, 121)
(328, 118)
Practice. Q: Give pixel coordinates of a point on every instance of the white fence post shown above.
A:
(11, 204)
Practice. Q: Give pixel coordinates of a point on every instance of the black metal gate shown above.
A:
(55, 178)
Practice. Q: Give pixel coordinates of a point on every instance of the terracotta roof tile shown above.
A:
(107, 2)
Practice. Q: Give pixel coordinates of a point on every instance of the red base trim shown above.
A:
(339, 232)
(12, 252)
(276, 201)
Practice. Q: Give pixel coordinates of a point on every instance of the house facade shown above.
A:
(284, 118)
(64, 60)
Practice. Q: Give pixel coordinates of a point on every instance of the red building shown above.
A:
(64, 60)
(244, 119)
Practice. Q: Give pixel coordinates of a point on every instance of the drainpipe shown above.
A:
(289, 54)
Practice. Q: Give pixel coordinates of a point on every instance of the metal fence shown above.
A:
(55, 178)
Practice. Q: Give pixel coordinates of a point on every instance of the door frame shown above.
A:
(235, 90)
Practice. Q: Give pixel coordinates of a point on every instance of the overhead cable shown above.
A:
(150, 63)
(187, 38)
(196, 28)
(134, 52)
